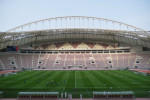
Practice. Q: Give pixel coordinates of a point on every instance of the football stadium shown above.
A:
(75, 57)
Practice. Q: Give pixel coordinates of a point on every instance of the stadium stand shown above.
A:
(59, 61)
(76, 48)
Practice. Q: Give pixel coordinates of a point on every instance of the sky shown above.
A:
(17, 12)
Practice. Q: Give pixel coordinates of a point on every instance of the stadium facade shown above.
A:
(75, 43)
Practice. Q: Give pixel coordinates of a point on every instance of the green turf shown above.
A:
(85, 81)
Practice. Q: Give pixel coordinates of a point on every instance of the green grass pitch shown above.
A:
(85, 82)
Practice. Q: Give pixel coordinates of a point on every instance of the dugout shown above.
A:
(38, 95)
(113, 95)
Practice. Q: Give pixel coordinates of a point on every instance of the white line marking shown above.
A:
(75, 79)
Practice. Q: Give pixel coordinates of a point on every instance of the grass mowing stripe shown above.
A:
(79, 80)
(41, 79)
(140, 91)
(71, 83)
(133, 81)
(44, 80)
(114, 85)
(85, 79)
(61, 80)
(96, 79)
(144, 79)
(11, 91)
(67, 77)
(59, 77)
(105, 78)
(120, 80)
(15, 82)
(86, 82)
(29, 81)
(133, 75)
(69, 87)
(43, 84)
(14, 77)
(18, 74)
(15, 91)
(100, 78)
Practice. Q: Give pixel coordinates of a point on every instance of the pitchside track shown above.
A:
(75, 82)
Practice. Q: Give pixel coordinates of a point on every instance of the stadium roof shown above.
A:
(70, 28)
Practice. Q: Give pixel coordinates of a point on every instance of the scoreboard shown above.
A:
(12, 48)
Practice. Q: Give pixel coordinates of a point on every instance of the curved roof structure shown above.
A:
(75, 28)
